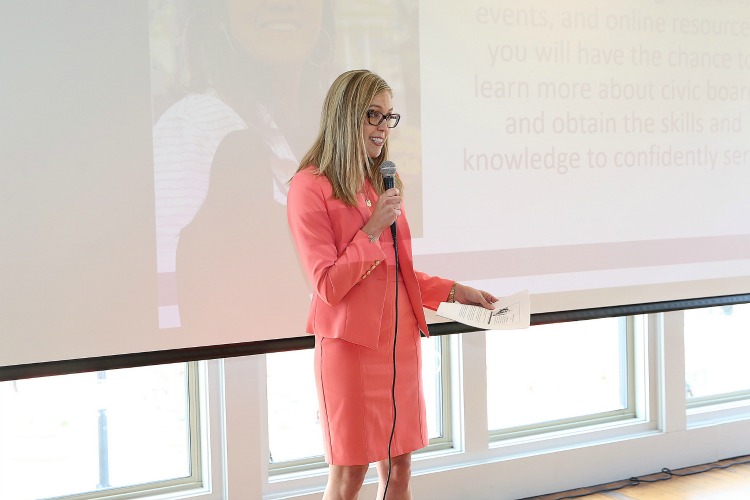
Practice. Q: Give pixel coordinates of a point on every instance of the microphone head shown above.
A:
(388, 169)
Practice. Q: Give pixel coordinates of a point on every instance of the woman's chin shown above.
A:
(374, 152)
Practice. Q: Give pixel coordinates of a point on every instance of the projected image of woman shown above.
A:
(253, 68)
(340, 214)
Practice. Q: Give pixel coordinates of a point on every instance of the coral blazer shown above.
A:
(348, 273)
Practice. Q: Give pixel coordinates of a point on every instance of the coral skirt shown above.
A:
(354, 390)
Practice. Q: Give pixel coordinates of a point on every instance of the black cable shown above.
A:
(393, 384)
(669, 474)
(605, 490)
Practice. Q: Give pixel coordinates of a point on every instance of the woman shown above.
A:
(339, 213)
(251, 68)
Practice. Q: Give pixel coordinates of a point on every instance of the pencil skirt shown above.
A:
(355, 391)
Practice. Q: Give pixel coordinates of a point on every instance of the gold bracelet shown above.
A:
(452, 293)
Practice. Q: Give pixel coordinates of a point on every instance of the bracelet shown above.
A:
(371, 237)
(452, 293)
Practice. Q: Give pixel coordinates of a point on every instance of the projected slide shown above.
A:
(595, 153)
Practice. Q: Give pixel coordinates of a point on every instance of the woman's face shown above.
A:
(276, 31)
(376, 135)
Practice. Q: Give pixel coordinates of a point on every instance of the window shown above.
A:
(558, 376)
(717, 341)
(294, 435)
(436, 380)
(127, 431)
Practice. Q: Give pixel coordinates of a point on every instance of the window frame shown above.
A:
(628, 373)
(195, 379)
(234, 427)
(640, 442)
(717, 401)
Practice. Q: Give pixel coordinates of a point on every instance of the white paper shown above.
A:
(509, 313)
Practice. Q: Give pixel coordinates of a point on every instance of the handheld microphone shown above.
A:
(388, 171)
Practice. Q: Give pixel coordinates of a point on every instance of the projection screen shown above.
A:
(594, 153)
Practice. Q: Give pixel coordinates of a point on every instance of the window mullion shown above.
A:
(672, 372)
(470, 396)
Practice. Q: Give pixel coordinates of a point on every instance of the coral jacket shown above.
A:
(348, 274)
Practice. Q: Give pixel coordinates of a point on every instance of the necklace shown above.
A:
(366, 194)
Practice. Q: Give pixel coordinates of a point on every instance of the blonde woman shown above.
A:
(339, 214)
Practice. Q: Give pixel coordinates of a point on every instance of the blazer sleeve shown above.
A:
(434, 289)
(335, 253)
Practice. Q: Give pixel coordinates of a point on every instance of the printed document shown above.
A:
(509, 313)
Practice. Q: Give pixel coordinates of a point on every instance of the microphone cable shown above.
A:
(393, 384)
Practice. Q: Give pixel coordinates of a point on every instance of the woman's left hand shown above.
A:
(468, 295)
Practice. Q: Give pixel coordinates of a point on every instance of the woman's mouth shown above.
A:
(280, 26)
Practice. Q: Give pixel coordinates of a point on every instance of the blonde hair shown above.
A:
(339, 150)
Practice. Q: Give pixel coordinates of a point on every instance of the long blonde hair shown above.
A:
(339, 150)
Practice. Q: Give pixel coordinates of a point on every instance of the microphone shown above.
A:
(388, 171)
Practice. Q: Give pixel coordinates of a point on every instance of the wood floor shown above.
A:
(723, 480)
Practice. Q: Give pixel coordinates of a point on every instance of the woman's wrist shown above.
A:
(371, 235)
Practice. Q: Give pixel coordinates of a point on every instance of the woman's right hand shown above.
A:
(386, 211)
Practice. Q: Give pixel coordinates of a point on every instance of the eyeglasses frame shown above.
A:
(383, 117)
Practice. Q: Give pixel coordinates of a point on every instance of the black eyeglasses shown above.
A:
(375, 118)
